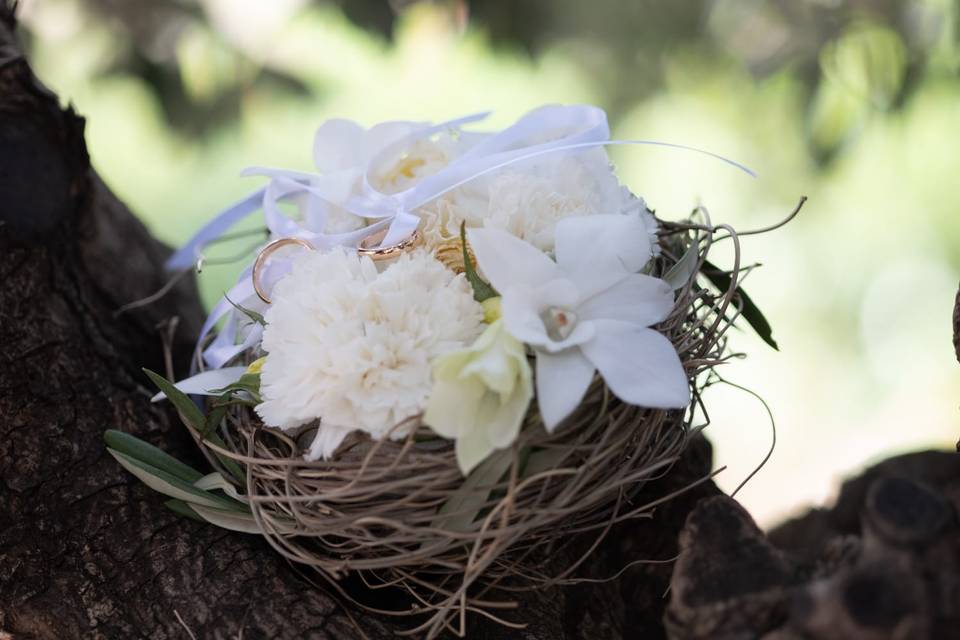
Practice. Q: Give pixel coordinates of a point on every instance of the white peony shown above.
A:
(353, 347)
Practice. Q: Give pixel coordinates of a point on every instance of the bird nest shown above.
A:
(400, 514)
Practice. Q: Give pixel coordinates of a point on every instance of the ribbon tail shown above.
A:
(188, 254)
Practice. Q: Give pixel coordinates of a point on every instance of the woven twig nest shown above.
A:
(401, 514)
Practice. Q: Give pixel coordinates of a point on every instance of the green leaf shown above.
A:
(231, 520)
(226, 519)
(481, 289)
(680, 273)
(216, 481)
(544, 460)
(211, 435)
(170, 485)
(189, 412)
(192, 415)
(462, 507)
(181, 508)
(248, 383)
(148, 454)
(231, 465)
(250, 313)
(750, 312)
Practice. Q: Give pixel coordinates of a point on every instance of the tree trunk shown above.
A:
(882, 564)
(85, 550)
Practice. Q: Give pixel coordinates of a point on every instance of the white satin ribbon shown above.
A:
(546, 130)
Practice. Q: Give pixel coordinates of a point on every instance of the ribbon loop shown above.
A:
(547, 130)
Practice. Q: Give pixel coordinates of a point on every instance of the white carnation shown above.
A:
(353, 347)
(636, 206)
(528, 199)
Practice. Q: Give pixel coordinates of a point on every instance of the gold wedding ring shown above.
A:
(385, 253)
(265, 253)
(379, 253)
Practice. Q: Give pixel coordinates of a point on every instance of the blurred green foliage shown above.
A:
(854, 103)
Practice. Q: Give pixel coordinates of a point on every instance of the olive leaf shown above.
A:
(463, 506)
(250, 313)
(231, 465)
(681, 272)
(190, 413)
(231, 520)
(137, 449)
(544, 460)
(481, 288)
(172, 486)
(227, 519)
(749, 310)
(215, 480)
(248, 383)
(182, 508)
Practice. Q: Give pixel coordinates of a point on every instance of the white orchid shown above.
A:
(480, 395)
(589, 310)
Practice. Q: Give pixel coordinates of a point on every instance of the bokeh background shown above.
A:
(854, 103)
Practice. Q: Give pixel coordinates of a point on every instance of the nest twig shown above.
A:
(374, 508)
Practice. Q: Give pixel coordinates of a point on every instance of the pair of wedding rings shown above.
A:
(378, 253)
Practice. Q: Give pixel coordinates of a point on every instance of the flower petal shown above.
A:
(382, 135)
(472, 448)
(507, 261)
(337, 145)
(639, 365)
(521, 306)
(594, 251)
(562, 381)
(452, 409)
(326, 441)
(638, 299)
(503, 427)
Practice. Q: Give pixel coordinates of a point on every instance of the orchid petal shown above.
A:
(521, 306)
(562, 381)
(639, 365)
(582, 332)
(639, 299)
(507, 261)
(595, 251)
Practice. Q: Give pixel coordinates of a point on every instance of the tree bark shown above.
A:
(882, 564)
(88, 552)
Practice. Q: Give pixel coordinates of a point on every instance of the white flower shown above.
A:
(344, 153)
(354, 347)
(635, 206)
(480, 395)
(342, 147)
(526, 199)
(590, 310)
(529, 198)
